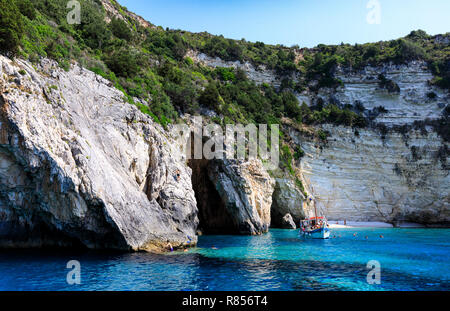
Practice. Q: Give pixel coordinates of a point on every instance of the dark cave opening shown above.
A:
(213, 215)
(275, 216)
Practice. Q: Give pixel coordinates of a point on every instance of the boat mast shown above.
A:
(315, 209)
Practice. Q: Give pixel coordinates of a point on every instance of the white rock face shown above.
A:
(259, 75)
(412, 104)
(442, 39)
(287, 199)
(78, 165)
(367, 178)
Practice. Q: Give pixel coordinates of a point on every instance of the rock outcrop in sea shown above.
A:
(245, 189)
(234, 197)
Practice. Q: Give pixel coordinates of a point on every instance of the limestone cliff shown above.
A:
(361, 89)
(394, 172)
(258, 74)
(233, 196)
(80, 167)
(370, 178)
(378, 173)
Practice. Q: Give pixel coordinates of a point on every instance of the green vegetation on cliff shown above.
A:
(150, 63)
(11, 27)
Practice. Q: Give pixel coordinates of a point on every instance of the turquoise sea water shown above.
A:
(411, 259)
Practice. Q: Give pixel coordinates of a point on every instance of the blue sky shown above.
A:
(303, 22)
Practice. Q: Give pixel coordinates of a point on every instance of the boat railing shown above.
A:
(313, 223)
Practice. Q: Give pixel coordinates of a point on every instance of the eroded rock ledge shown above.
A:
(370, 177)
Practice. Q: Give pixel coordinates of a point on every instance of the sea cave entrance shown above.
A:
(214, 217)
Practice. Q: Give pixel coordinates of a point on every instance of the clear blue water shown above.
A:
(411, 259)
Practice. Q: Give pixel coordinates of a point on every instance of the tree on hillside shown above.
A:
(408, 50)
(210, 97)
(11, 27)
(417, 35)
(123, 63)
(120, 29)
(26, 8)
(291, 105)
(94, 29)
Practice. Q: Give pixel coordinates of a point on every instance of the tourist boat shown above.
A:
(315, 227)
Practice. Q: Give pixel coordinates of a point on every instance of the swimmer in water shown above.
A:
(381, 236)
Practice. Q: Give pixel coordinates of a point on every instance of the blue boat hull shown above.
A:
(322, 233)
